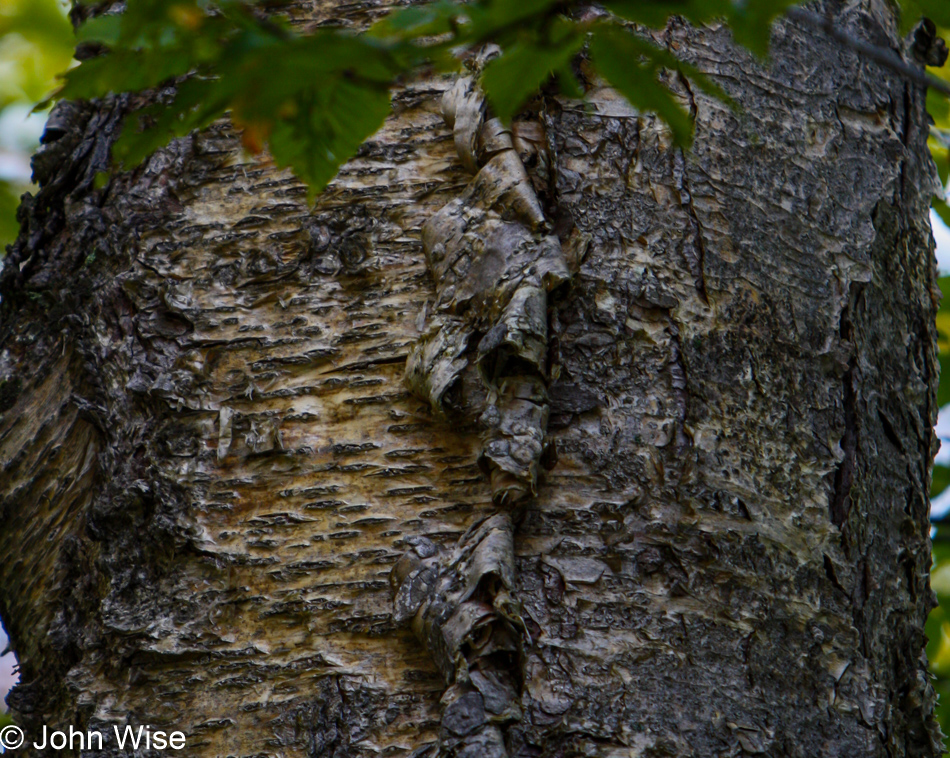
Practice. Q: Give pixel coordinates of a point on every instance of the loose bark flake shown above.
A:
(494, 262)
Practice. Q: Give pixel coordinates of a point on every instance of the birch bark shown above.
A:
(211, 461)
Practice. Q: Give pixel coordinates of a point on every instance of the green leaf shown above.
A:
(268, 80)
(106, 29)
(750, 21)
(329, 129)
(198, 102)
(493, 15)
(314, 98)
(617, 55)
(40, 21)
(153, 21)
(517, 74)
(567, 81)
(666, 59)
(937, 11)
(36, 44)
(122, 71)
(417, 21)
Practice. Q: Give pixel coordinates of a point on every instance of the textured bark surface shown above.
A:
(212, 461)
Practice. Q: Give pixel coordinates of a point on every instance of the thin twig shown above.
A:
(882, 55)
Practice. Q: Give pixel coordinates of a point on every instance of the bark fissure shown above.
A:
(840, 501)
(697, 262)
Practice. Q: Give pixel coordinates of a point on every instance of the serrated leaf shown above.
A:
(281, 85)
(750, 21)
(513, 77)
(267, 80)
(319, 54)
(666, 59)
(154, 20)
(617, 56)
(122, 71)
(328, 130)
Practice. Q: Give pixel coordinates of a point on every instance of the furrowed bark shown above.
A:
(213, 464)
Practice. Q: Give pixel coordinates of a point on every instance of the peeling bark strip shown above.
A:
(461, 607)
(494, 262)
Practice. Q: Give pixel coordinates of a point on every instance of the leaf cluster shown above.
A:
(314, 98)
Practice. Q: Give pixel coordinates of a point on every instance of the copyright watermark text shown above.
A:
(134, 737)
(11, 737)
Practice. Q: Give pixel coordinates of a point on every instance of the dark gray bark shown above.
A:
(212, 461)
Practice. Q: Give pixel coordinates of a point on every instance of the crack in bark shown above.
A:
(697, 263)
(680, 383)
(844, 474)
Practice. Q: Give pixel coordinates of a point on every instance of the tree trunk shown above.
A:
(213, 461)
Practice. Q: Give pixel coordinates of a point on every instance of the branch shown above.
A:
(882, 55)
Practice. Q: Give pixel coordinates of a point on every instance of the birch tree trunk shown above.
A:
(212, 462)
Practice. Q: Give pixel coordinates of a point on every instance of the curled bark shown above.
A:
(494, 262)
